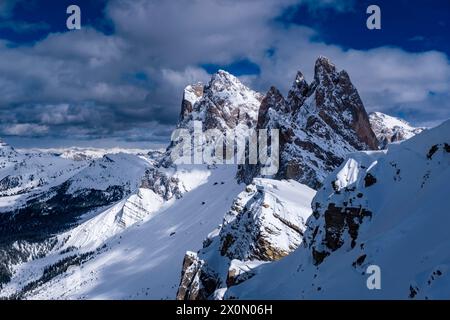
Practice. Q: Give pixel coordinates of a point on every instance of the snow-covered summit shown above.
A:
(319, 123)
(6, 150)
(391, 129)
(224, 103)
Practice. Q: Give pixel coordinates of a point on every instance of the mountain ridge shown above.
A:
(164, 210)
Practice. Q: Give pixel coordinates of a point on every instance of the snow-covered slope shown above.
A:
(109, 171)
(142, 261)
(265, 223)
(319, 123)
(100, 183)
(224, 104)
(390, 129)
(67, 192)
(119, 226)
(118, 191)
(383, 208)
(165, 199)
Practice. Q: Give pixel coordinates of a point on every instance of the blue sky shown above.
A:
(119, 80)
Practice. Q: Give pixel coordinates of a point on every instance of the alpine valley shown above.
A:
(353, 190)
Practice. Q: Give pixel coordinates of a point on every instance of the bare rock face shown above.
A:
(163, 185)
(300, 90)
(341, 107)
(319, 124)
(273, 102)
(391, 129)
(265, 223)
(192, 93)
(339, 221)
(224, 104)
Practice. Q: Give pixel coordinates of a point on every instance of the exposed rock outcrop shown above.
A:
(265, 223)
(319, 124)
(390, 129)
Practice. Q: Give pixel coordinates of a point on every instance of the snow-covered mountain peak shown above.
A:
(3, 144)
(106, 172)
(389, 120)
(265, 223)
(6, 150)
(298, 92)
(371, 212)
(192, 93)
(222, 76)
(226, 86)
(224, 104)
(319, 124)
(391, 129)
(323, 69)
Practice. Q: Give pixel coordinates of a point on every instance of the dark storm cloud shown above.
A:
(129, 84)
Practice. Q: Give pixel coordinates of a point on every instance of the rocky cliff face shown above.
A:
(224, 103)
(265, 223)
(370, 212)
(390, 129)
(319, 124)
(192, 93)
